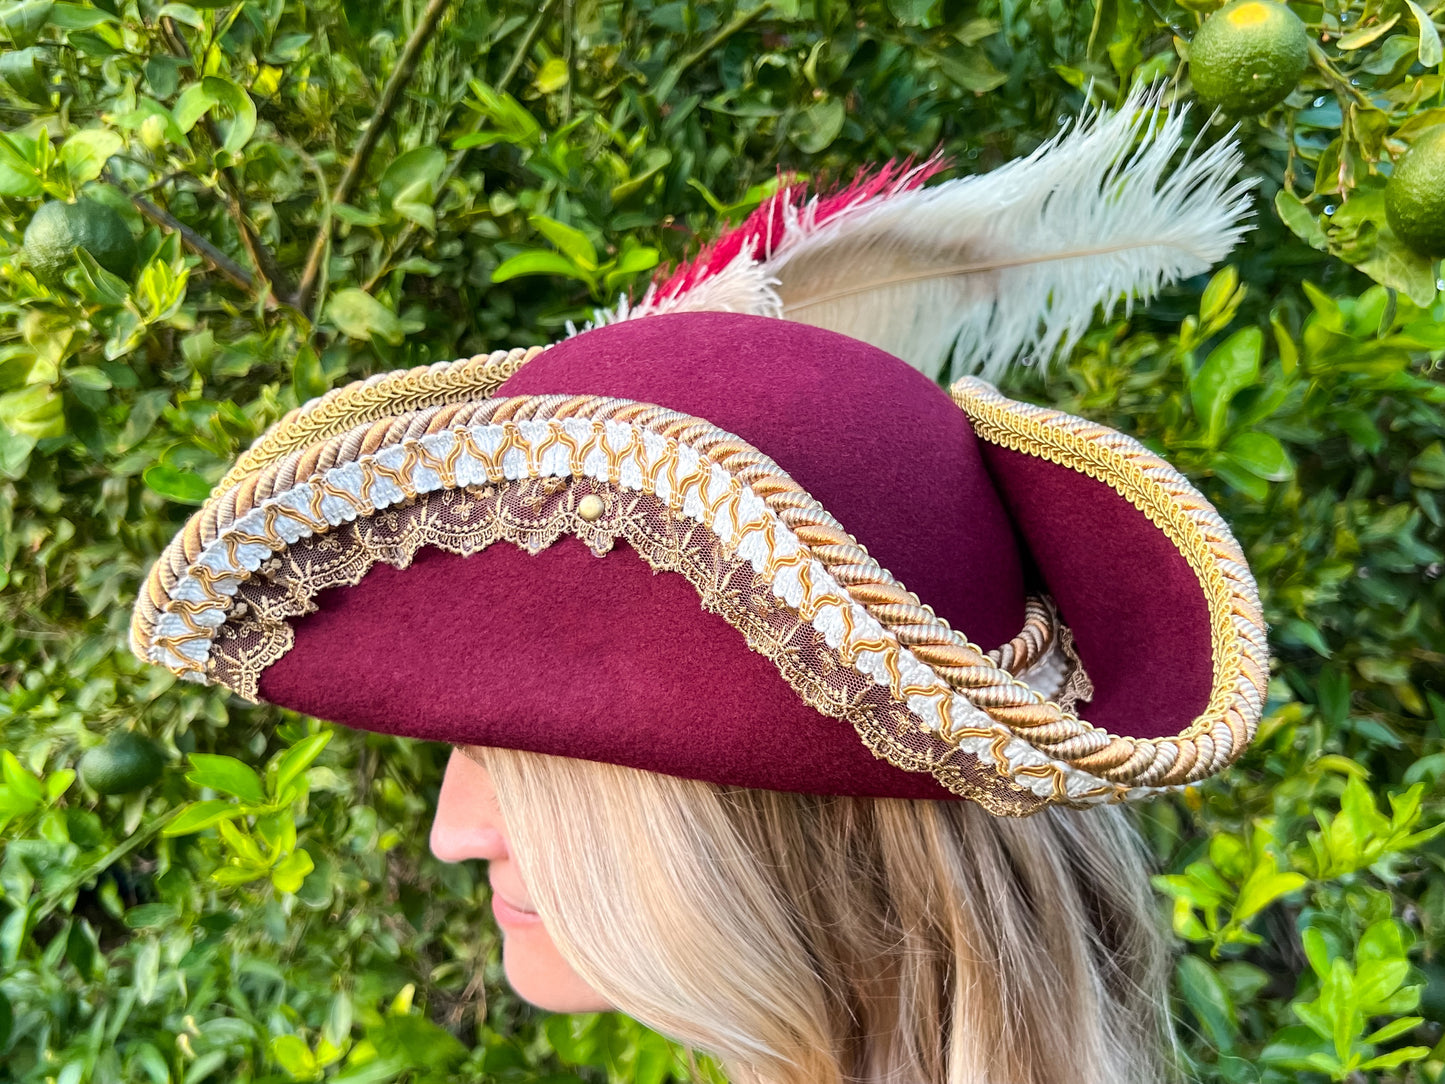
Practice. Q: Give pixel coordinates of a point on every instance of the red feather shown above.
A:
(764, 228)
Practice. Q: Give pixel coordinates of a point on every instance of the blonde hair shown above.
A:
(803, 939)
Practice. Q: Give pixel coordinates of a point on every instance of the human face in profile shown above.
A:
(469, 824)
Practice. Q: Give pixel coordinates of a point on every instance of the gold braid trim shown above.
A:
(357, 424)
(380, 396)
(703, 475)
(1237, 628)
(191, 587)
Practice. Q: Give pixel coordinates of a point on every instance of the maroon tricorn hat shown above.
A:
(732, 547)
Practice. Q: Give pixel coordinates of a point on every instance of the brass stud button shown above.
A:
(590, 508)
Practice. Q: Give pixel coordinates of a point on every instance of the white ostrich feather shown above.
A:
(984, 269)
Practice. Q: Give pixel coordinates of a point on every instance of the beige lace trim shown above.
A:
(532, 514)
(384, 395)
(754, 514)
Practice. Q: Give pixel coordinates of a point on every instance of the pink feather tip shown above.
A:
(764, 229)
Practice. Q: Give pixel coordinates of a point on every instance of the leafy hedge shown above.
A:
(327, 190)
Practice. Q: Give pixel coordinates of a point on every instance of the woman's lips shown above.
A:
(509, 914)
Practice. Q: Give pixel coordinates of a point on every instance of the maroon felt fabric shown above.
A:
(884, 448)
(1136, 608)
(574, 655)
(601, 658)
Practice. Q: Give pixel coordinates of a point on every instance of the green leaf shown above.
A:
(148, 915)
(183, 487)
(292, 870)
(23, 22)
(1218, 293)
(308, 378)
(1262, 888)
(145, 411)
(971, 69)
(22, 70)
(1231, 367)
(911, 12)
(653, 161)
(147, 969)
(227, 775)
(240, 122)
(57, 783)
(575, 244)
(182, 13)
(199, 816)
(538, 262)
(358, 315)
(1208, 1000)
(19, 175)
(419, 170)
(295, 1057)
(1358, 39)
(102, 287)
(818, 125)
(1381, 941)
(1303, 222)
(1394, 1029)
(1395, 1058)
(409, 185)
(1260, 454)
(76, 17)
(300, 757)
(22, 784)
(35, 412)
(195, 101)
(1430, 51)
(204, 1065)
(1394, 264)
(653, 1058)
(552, 75)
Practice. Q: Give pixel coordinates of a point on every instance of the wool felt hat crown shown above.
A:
(744, 548)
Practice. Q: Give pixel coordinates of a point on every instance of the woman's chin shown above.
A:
(537, 974)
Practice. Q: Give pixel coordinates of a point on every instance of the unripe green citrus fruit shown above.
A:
(1415, 195)
(1249, 55)
(58, 228)
(126, 762)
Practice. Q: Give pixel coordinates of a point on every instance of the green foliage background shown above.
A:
(510, 166)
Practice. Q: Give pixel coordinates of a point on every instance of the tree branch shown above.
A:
(370, 136)
(739, 22)
(524, 46)
(229, 269)
(230, 181)
(508, 74)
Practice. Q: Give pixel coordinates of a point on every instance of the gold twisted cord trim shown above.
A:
(532, 514)
(705, 473)
(1237, 629)
(984, 686)
(380, 396)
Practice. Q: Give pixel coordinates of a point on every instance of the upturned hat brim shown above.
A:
(730, 548)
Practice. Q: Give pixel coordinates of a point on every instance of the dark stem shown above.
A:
(229, 269)
(509, 73)
(370, 136)
(524, 46)
(230, 181)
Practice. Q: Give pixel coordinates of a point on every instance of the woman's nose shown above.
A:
(466, 823)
